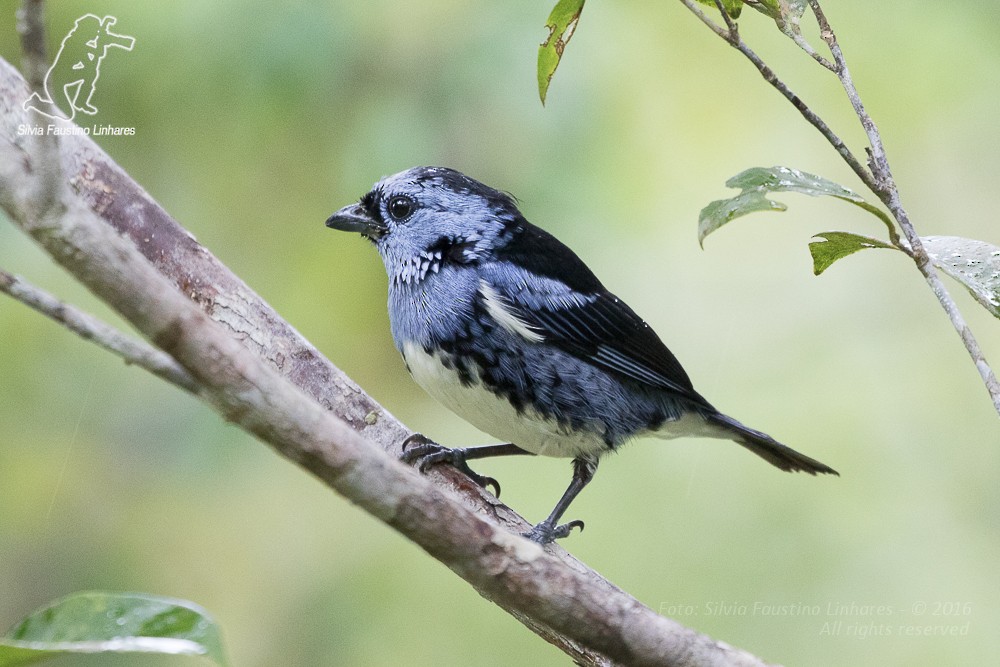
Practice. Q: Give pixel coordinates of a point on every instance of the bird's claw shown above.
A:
(424, 452)
(545, 532)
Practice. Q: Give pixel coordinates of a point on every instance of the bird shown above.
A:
(508, 328)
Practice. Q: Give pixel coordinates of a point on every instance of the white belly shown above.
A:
(496, 416)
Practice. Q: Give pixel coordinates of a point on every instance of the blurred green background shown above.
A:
(256, 120)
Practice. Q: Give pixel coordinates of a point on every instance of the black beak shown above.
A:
(355, 218)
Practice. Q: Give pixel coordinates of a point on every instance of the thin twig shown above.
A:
(737, 43)
(878, 179)
(886, 190)
(733, 30)
(878, 163)
(803, 44)
(790, 28)
(712, 25)
(88, 327)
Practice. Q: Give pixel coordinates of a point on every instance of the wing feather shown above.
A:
(601, 330)
(548, 287)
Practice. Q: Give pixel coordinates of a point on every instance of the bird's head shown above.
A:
(429, 213)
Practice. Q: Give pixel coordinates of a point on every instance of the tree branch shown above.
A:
(733, 38)
(257, 371)
(887, 191)
(878, 179)
(34, 53)
(34, 59)
(90, 328)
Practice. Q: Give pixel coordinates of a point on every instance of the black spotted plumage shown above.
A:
(456, 250)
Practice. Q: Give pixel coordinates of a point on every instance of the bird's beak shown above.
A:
(355, 218)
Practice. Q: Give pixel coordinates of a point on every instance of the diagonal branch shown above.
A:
(886, 190)
(258, 372)
(878, 178)
(733, 38)
(90, 328)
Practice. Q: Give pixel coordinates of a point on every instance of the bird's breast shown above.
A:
(438, 307)
(460, 388)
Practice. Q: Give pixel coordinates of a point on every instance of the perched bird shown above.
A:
(507, 327)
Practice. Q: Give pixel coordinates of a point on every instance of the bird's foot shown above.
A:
(546, 532)
(424, 452)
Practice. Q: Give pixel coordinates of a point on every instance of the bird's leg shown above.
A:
(425, 453)
(548, 530)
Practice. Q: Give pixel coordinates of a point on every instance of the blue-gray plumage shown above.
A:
(507, 327)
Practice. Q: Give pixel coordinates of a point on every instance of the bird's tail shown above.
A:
(768, 448)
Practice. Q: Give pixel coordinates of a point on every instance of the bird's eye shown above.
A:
(401, 207)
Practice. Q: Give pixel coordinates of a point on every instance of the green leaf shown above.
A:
(975, 264)
(761, 180)
(836, 245)
(732, 7)
(561, 24)
(721, 211)
(104, 622)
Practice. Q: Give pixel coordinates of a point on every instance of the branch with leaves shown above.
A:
(259, 373)
(974, 264)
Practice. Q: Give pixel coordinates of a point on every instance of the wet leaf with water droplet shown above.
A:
(975, 264)
(757, 181)
(722, 211)
(105, 622)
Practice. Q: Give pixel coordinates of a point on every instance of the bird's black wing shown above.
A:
(586, 320)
